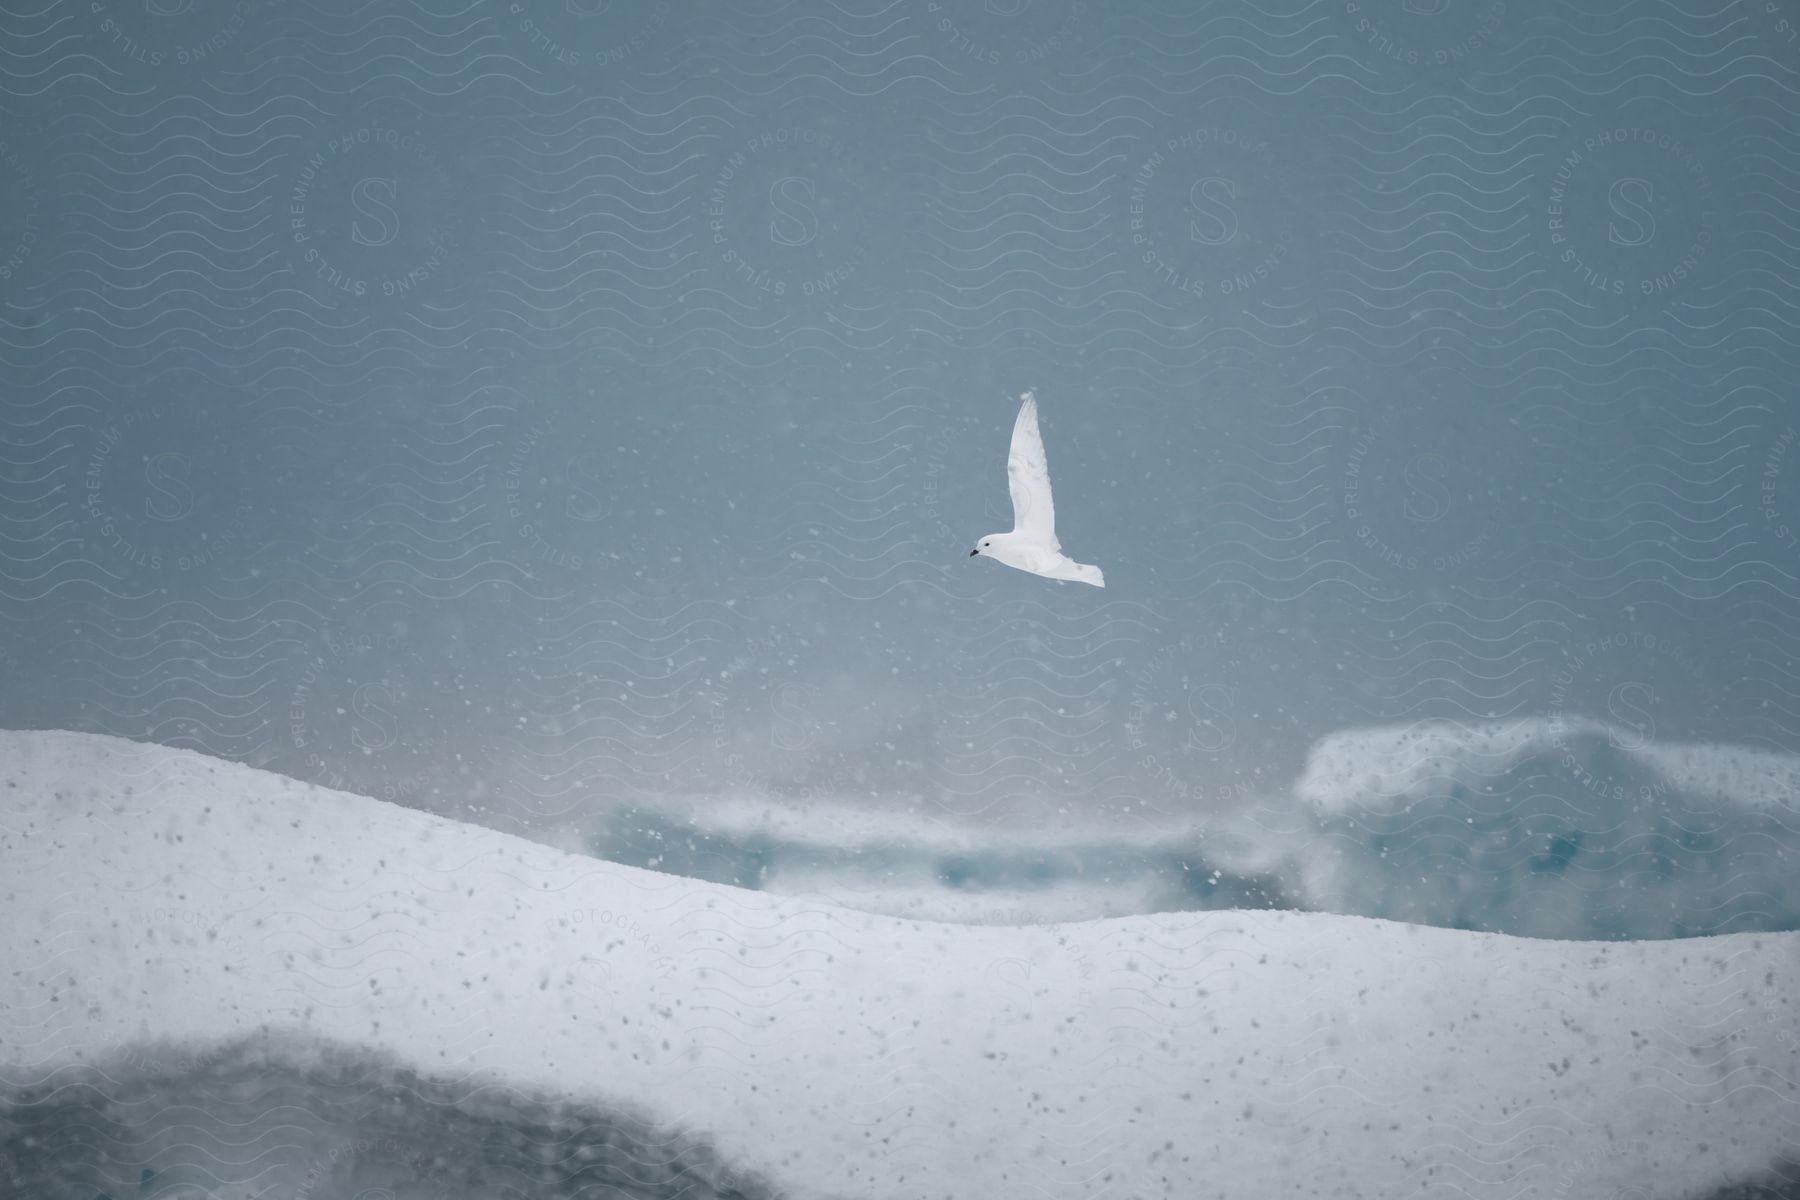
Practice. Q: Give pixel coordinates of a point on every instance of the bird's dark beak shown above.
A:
(974, 552)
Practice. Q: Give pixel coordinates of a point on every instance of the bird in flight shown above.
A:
(1032, 544)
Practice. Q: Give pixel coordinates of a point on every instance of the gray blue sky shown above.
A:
(511, 413)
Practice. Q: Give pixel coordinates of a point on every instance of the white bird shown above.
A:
(1032, 544)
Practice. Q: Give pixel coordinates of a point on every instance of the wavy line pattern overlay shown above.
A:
(570, 417)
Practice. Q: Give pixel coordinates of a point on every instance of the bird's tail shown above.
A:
(1084, 573)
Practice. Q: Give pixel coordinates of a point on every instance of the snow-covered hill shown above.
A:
(195, 950)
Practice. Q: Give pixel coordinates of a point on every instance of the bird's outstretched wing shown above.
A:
(1028, 478)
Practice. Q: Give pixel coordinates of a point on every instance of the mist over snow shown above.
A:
(221, 979)
(1538, 827)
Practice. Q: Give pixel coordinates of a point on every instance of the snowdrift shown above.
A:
(156, 902)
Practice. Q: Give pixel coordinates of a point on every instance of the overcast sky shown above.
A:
(484, 411)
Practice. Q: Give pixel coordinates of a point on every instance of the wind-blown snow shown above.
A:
(153, 894)
(1373, 767)
(1544, 828)
(1555, 828)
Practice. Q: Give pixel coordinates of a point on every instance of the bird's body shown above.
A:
(1028, 555)
(1032, 545)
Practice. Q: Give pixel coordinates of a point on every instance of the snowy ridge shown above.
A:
(157, 894)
